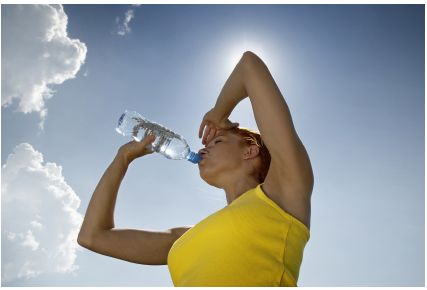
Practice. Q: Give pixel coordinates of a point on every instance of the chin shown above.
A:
(208, 179)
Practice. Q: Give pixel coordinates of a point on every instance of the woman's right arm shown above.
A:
(98, 233)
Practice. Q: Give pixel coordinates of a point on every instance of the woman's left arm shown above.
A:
(251, 77)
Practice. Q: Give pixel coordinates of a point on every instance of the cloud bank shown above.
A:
(40, 222)
(36, 53)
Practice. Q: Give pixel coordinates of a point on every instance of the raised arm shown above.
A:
(273, 118)
(98, 232)
(290, 175)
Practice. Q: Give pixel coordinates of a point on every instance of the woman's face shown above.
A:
(222, 156)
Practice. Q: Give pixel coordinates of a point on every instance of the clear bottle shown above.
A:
(167, 143)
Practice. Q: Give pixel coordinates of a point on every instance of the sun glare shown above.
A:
(233, 53)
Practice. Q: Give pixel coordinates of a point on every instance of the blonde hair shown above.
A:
(251, 137)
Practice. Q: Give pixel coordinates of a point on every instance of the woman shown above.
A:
(259, 237)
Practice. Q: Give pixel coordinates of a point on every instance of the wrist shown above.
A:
(122, 158)
(223, 110)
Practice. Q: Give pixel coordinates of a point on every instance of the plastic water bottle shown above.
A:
(167, 143)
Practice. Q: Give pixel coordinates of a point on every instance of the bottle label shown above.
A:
(121, 119)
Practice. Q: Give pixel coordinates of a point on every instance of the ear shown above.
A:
(251, 151)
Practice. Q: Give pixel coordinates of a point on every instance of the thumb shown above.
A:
(149, 139)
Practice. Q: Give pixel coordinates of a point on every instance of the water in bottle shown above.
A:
(167, 142)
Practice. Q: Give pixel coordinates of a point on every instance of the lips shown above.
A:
(203, 151)
(203, 159)
(203, 155)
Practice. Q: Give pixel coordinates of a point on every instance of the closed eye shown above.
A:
(217, 141)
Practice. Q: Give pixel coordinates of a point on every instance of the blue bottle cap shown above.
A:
(193, 157)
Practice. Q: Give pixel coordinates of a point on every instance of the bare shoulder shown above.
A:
(178, 232)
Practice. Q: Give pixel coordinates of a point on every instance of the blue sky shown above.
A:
(352, 75)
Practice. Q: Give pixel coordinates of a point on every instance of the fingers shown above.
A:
(211, 129)
(202, 125)
(149, 139)
(206, 134)
(206, 127)
(143, 147)
(211, 134)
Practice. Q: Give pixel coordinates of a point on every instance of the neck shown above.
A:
(235, 189)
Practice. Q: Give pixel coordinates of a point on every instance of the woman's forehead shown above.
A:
(223, 132)
(227, 134)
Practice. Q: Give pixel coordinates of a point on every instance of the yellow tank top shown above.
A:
(250, 242)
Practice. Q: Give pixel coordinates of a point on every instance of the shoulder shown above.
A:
(178, 232)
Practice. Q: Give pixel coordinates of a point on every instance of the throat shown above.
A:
(234, 192)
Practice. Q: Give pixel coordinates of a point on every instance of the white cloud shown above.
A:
(40, 222)
(30, 241)
(36, 53)
(36, 225)
(123, 27)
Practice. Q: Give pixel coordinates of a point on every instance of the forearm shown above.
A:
(233, 90)
(100, 212)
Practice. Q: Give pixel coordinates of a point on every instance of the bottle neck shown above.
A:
(193, 157)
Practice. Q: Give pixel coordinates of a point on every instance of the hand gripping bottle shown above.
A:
(167, 143)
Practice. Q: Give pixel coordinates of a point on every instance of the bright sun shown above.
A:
(233, 53)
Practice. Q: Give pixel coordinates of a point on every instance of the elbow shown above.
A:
(84, 240)
(251, 62)
(248, 53)
(248, 57)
